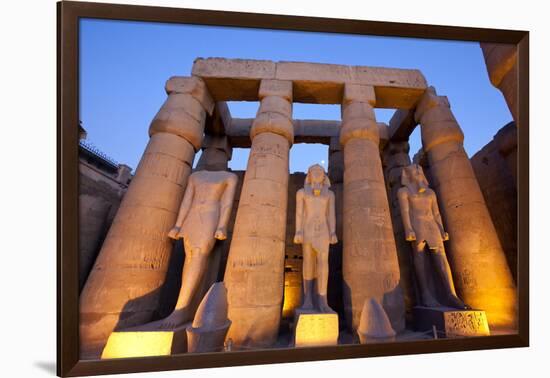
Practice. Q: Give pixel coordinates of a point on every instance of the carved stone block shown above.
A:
(315, 329)
(136, 342)
(452, 322)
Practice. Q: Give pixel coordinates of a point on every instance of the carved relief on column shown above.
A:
(216, 153)
(255, 269)
(482, 276)
(395, 157)
(370, 265)
(124, 285)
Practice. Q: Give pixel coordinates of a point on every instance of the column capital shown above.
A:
(358, 93)
(275, 111)
(358, 121)
(275, 123)
(429, 100)
(437, 122)
(184, 111)
(193, 86)
(278, 88)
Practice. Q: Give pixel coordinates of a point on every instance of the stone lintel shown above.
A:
(402, 124)
(305, 131)
(239, 80)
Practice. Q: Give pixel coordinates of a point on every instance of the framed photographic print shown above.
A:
(241, 188)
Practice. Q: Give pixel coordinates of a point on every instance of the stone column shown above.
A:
(501, 62)
(395, 156)
(255, 268)
(370, 265)
(335, 161)
(482, 277)
(216, 153)
(336, 176)
(124, 286)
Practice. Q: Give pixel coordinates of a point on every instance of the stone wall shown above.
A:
(100, 192)
(496, 180)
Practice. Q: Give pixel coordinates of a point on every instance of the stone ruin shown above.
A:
(135, 278)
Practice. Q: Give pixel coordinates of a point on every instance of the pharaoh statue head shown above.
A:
(413, 178)
(317, 180)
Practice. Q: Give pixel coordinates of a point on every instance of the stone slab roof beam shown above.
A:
(402, 124)
(305, 131)
(239, 80)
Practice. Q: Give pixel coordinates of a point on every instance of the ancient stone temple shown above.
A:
(335, 262)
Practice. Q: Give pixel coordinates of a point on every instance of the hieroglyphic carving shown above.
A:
(123, 288)
(370, 255)
(255, 268)
(466, 323)
(475, 253)
(316, 330)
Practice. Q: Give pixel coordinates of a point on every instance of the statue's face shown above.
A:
(417, 176)
(317, 175)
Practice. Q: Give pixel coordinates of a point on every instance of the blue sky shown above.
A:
(124, 65)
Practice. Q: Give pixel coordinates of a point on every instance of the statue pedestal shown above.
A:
(143, 341)
(315, 329)
(451, 322)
